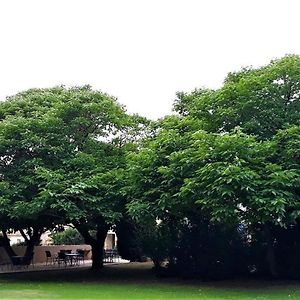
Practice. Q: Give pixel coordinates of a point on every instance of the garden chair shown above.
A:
(49, 258)
(80, 257)
(108, 255)
(61, 258)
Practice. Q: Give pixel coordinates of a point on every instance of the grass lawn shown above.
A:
(135, 281)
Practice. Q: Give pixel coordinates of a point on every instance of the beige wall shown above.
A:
(110, 241)
(40, 255)
(16, 238)
(39, 251)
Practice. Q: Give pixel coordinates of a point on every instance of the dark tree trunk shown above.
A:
(157, 264)
(32, 241)
(97, 243)
(98, 247)
(174, 236)
(270, 257)
(97, 256)
(6, 245)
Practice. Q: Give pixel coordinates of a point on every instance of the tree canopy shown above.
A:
(261, 101)
(60, 152)
(213, 190)
(231, 158)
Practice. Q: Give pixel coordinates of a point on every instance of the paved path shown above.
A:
(8, 268)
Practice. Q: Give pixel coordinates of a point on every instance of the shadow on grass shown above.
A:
(141, 274)
(133, 272)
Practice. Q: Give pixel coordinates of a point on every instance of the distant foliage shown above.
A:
(69, 236)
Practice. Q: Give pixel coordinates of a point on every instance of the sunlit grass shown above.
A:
(135, 282)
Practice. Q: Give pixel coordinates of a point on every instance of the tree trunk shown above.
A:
(97, 256)
(97, 243)
(98, 247)
(157, 264)
(270, 257)
(6, 244)
(31, 243)
(31, 239)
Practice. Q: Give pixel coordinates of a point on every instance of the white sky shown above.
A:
(141, 51)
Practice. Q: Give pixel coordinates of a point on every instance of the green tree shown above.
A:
(237, 181)
(261, 101)
(66, 147)
(154, 204)
(229, 157)
(24, 148)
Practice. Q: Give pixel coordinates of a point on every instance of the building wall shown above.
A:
(16, 238)
(40, 255)
(39, 252)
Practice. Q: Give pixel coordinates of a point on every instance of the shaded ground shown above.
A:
(135, 281)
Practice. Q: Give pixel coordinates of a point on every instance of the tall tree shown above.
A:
(67, 144)
(24, 148)
(224, 156)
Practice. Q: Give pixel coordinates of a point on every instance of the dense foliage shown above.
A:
(69, 236)
(222, 178)
(211, 191)
(62, 156)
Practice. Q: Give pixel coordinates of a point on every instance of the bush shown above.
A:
(69, 236)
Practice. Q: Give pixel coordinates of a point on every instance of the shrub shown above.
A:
(69, 236)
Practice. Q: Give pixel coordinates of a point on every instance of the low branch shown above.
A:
(24, 235)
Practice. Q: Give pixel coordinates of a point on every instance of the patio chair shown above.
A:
(61, 258)
(80, 257)
(49, 258)
(116, 256)
(108, 255)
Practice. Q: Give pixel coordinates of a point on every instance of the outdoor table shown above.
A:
(20, 261)
(72, 257)
(17, 260)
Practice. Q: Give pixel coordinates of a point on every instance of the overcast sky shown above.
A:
(140, 51)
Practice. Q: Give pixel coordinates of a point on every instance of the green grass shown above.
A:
(135, 282)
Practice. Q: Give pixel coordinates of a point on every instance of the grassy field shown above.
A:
(135, 281)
